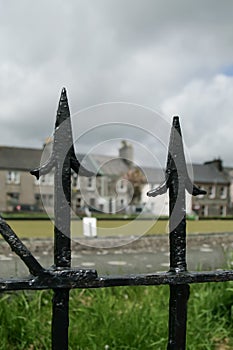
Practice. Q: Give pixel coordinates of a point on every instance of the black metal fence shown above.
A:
(62, 278)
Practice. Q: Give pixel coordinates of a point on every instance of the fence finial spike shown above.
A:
(176, 162)
(176, 123)
(62, 132)
(63, 111)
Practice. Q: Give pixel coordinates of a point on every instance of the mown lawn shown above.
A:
(44, 228)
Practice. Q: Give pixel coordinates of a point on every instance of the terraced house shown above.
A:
(212, 177)
(122, 186)
(18, 187)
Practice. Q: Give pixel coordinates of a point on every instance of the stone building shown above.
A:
(120, 188)
(18, 186)
(211, 177)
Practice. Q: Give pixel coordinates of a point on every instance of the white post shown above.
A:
(89, 227)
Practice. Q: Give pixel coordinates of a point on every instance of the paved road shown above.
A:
(202, 256)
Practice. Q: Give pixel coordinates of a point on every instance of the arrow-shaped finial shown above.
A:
(63, 139)
(176, 162)
(63, 112)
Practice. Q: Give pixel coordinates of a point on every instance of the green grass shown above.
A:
(120, 318)
(32, 228)
(44, 228)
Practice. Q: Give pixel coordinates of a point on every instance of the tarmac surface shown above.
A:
(119, 256)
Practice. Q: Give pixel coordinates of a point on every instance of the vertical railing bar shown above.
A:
(177, 181)
(179, 294)
(62, 258)
(62, 159)
(62, 200)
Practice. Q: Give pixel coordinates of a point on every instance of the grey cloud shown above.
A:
(147, 52)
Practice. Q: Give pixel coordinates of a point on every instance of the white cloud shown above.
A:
(206, 108)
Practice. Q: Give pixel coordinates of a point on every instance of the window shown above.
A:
(43, 198)
(122, 202)
(47, 200)
(50, 200)
(92, 202)
(211, 191)
(37, 197)
(78, 201)
(204, 210)
(13, 177)
(75, 180)
(47, 179)
(121, 185)
(13, 198)
(101, 208)
(223, 192)
(91, 183)
(222, 210)
(13, 195)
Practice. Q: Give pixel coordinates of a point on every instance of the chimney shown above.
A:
(126, 152)
(217, 162)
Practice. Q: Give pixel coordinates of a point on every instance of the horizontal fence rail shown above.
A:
(89, 279)
(62, 278)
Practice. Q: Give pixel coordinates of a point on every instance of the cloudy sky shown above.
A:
(172, 57)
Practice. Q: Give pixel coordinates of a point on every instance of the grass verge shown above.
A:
(123, 318)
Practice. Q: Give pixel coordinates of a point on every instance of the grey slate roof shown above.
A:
(19, 158)
(200, 173)
(109, 165)
(208, 173)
